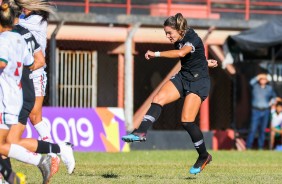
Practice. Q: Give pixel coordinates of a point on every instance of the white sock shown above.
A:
(20, 153)
(44, 131)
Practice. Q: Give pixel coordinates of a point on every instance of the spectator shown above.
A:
(276, 122)
(263, 96)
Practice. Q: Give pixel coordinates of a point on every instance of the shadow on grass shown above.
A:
(190, 178)
(109, 175)
(144, 176)
(86, 174)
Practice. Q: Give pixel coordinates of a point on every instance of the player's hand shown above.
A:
(212, 63)
(149, 54)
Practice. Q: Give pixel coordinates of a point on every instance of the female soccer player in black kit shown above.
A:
(192, 83)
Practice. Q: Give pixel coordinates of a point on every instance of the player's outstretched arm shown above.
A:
(170, 53)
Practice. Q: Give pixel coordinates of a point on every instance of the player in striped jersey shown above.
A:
(35, 16)
(37, 146)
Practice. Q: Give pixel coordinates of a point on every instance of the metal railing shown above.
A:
(77, 78)
(245, 7)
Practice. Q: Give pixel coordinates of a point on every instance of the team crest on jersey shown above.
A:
(180, 45)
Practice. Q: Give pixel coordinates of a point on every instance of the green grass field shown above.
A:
(159, 167)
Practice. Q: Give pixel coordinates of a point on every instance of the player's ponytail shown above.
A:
(177, 22)
(7, 15)
(181, 24)
(36, 5)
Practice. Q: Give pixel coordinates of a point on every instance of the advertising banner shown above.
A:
(88, 129)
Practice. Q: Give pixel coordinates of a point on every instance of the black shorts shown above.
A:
(28, 96)
(201, 87)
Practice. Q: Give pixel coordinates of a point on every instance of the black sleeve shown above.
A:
(36, 45)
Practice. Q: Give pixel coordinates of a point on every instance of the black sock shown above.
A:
(5, 169)
(8, 162)
(47, 147)
(197, 138)
(151, 116)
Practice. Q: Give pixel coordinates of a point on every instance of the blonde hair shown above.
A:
(32, 5)
(35, 5)
(177, 22)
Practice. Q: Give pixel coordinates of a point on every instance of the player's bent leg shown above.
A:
(15, 137)
(15, 133)
(64, 149)
(168, 93)
(139, 135)
(47, 165)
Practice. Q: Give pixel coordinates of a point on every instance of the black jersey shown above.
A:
(33, 46)
(27, 83)
(194, 65)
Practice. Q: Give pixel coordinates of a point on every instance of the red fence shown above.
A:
(197, 8)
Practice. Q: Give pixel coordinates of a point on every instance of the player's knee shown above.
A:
(159, 99)
(2, 142)
(187, 118)
(13, 140)
(34, 118)
(2, 147)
